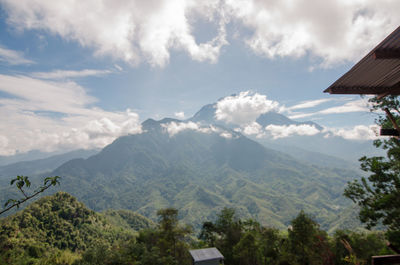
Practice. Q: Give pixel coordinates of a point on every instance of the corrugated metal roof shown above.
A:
(377, 73)
(205, 254)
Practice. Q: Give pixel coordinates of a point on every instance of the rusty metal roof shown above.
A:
(377, 73)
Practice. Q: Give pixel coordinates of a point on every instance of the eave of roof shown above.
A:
(378, 73)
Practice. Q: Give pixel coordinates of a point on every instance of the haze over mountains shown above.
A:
(201, 165)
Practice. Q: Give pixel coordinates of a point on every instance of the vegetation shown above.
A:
(379, 195)
(60, 230)
(22, 182)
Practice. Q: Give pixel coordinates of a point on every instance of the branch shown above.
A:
(21, 181)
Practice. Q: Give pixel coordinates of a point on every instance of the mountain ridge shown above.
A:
(200, 173)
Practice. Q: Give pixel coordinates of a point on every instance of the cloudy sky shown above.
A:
(78, 74)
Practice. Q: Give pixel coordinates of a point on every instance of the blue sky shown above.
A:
(78, 74)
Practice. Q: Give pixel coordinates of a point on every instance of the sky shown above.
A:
(77, 74)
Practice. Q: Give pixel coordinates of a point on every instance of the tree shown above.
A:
(224, 234)
(172, 236)
(22, 182)
(307, 242)
(379, 195)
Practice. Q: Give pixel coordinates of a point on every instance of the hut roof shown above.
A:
(377, 73)
(205, 254)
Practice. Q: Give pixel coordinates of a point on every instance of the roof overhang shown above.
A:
(378, 73)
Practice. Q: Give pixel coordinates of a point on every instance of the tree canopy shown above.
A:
(379, 195)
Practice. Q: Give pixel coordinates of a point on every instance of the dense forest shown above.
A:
(58, 229)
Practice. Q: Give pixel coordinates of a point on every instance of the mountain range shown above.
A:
(201, 165)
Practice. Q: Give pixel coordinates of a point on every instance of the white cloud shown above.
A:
(180, 115)
(51, 116)
(65, 74)
(244, 108)
(252, 129)
(310, 103)
(283, 131)
(335, 31)
(173, 128)
(226, 135)
(360, 105)
(13, 57)
(332, 31)
(132, 31)
(358, 132)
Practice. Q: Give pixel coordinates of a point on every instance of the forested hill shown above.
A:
(200, 170)
(62, 222)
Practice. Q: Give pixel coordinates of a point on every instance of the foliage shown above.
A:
(22, 182)
(378, 195)
(60, 230)
(57, 222)
(128, 219)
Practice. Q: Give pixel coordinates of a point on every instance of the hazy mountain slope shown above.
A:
(333, 146)
(315, 158)
(42, 165)
(279, 119)
(200, 173)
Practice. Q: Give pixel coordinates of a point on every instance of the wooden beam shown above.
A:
(386, 54)
(364, 90)
(395, 249)
(392, 119)
(389, 132)
(388, 259)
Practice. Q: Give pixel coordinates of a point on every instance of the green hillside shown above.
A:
(61, 222)
(200, 173)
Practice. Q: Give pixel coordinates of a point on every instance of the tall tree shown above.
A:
(379, 195)
(172, 236)
(308, 243)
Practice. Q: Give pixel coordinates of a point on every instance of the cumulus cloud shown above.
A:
(283, 131)
(180, 115)
(50, 116)
(252, 129)
(243, 109)
(65, 74)
(174, 128)
(358, 132)
(13, 57)
(129, 30)
(226, 135)
(333, 31)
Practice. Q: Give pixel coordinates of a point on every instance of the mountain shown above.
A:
(275, 118)
(206, 115)
(200, 170)
(350, 150)
(39, 166)
(315, 158)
